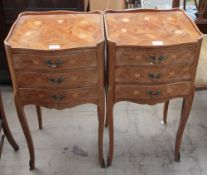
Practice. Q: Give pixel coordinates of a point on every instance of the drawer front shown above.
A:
(151, 56)
(71, 78)
(153, 74)
(63, 62)
(152, 92)
(70, 96)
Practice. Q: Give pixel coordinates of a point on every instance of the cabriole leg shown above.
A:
(26, 130)
(101, 114)
(186, 108)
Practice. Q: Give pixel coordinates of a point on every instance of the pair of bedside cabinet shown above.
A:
(57, 60)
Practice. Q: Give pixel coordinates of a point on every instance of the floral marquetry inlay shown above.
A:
(151, 28)
(56, 31)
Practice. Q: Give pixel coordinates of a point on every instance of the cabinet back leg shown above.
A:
(39, 116)
(165, 111)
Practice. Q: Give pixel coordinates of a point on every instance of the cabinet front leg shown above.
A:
(101, 114)
(109, 115)
(39, 116)
(26, 130)
(186, 108)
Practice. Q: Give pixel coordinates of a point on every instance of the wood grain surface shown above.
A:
(152, 58)
(56, 60)
(70, 60)
(150, 28)
(54, 31)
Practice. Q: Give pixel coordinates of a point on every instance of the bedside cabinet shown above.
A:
(152, 57)
(56, 60)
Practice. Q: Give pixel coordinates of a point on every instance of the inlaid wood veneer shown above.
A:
(152, 57)
(56, 60)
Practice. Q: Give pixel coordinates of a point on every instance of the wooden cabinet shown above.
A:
(57, 61)
(152, 57)
(9, 10)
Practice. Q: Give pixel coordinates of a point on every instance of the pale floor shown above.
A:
(143, 146)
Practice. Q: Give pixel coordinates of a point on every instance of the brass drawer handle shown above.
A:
(55, 64)
(58, 97)
(162, 58)
(153, 94)
(157, 60)
(153, 76)
(56, 81)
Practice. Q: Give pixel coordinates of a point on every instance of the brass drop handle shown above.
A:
(153, 94)
(56, 81)
(153, 76)
(58, 97)
(157, 60)
(162, 58)
(55, 64)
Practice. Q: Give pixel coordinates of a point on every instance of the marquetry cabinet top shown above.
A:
(56, 30)
(147, 27)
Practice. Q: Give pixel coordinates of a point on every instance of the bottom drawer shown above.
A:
(69, 96)
(152, 92)
(1, 144)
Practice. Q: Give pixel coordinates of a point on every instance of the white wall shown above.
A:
(102, 4)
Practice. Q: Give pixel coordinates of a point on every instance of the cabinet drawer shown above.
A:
(71, 78)
(70, 96)
(61, 62)
(150, 56)
(153, 74)
(152, 92)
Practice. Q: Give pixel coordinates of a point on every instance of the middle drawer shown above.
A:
(153, 74)
(71, 78)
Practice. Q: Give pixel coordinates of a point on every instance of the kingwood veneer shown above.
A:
(152, 57)
(56, 60)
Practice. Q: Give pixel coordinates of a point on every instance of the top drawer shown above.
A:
(151, 56)
(61, 62)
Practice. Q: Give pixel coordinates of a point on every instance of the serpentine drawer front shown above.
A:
(56, 60)
(74, 59)
(70, 78)
(173, 55)
(152, 57)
